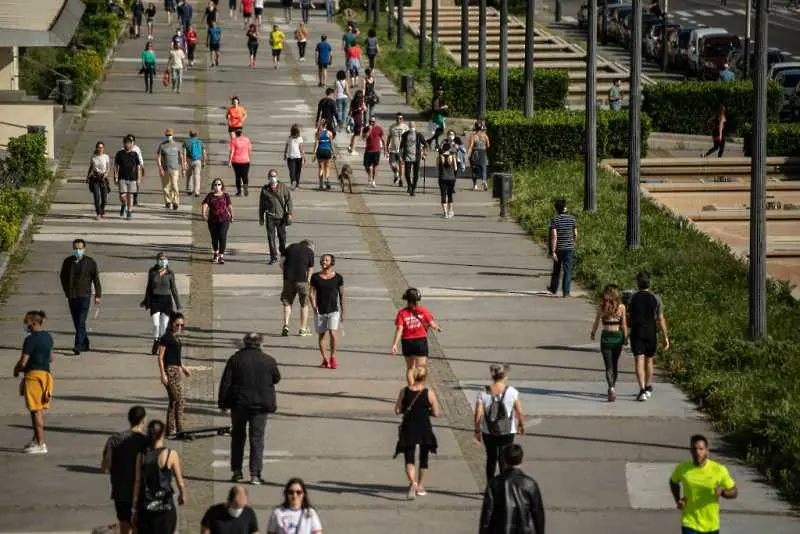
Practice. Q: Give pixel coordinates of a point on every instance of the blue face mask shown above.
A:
(163, 263)
(78, 252)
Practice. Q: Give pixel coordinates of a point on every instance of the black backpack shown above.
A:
(498, 420)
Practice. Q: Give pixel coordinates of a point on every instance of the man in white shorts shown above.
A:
(327, 299)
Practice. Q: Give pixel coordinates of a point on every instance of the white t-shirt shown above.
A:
(285, 521)
(511, 397)
(340, 92)
(259, 4)
(176, 58)
(101, 163)
(293, 147)
(138, 151)
(397, 131)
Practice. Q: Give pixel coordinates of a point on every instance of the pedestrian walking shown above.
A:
(275, 212)
(301, 36)
(79, 274)
(370, 95)
(394, 146)
(232, 6)
(295, 156)
(615, 95)
(169, 7)
(139, 154)
(148, 67)
(180, 39)
(372, 47)
(191, 44)
(172, 372)
(461, 155)
(235, 116)
(646, 313)
(276, 39)
(37, 381)
(327, 299)
(417, 404)
(498, 416)
(217, 210)
(214, 42)
(353, 54)
(703, 482)
(348, 39)
(478, 155)
(240, 152)
(411, 331)
(512, 503)
(328, 109)
(447, 180)
(252, 44)
(412, 151)
(170, 161)
(185, 13)
(324, 153)
(614, 334)
(247, 389)
(438, 111)
(563, 239)
(210, 15)
(159, 294)
(357, 110)
(295, 515)
(153, 503)
(137, 12)
(128, 174)
(297, 263)
(329, 8)
(259, 11)
(287, 11)
(234, 516)
(726, 74)
(195, 157)
(150, 14)
(247, 11)
(119, 461)
(305, 8)
(323, 53)
(342, 96)
(97, 178)
(374, 149)
(719, 126)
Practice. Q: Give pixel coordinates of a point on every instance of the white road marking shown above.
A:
(723, 12)
(740, 11)
(218, 464)
(266, 454)
(703, 13)
(684, 14)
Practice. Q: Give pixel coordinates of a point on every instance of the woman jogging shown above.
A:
(447, 179)
(295, 511)
(411, 330)
(357, 109)
(148, 67)
(324, 154)
(239, 155)
(342, 96)
(477, 154)
(295, 155)
(235, 116)
(172, 372)
(301, 36)
(498, 417)
(159, 294)
(417, 404)
(252, 44)
(719, 126)
(613, 336)
(217, 210)
(97, 178)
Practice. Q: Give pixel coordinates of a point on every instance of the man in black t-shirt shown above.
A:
(646, 313)
(234, 516)
(326, 109)
(327, 299)
(119, 459)
(127, 173)
(297, 262)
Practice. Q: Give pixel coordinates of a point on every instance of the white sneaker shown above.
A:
(648, 393)
(373, 184)
(642, 396)
(35, 448)
(451, 214)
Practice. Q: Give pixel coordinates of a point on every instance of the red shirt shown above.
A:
(354, 52)
(413, 328)
(240, 149)
(374, 135)
(247, 6)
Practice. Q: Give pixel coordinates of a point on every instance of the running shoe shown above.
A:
(237, 476)
(412, 492)
(648, 391)
(305, 332)
(421, 492)
(256, 480)
(642, 396)
(334, 363)
(285, 330)
(35, 448)
(324, 364)
(122, 211)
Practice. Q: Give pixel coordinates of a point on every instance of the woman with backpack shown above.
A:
(411, 330)
(370, 95)
(372, 47)
(153, 503)
(498, 417)
(417, 404)
(217, 210)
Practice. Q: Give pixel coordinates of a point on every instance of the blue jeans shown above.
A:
(565, 261)
(687, 530)
(329, 9)
(79, 309)
(341, 105)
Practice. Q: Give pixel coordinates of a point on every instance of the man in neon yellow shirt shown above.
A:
(276, 38)
(703, 481)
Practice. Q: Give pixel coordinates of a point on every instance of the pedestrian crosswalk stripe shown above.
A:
(740, 11)
(703, 13)
(684, 14)
(723, 12)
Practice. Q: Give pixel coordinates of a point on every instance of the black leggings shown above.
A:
(371, 61)
(301, 47)
(253, 48)
(295, 166)
(241, 171)
(191, 48)
(424, 452)
(100, 194)
(439, 131)
(719, 144)
(447, 188)
(611, 352)
(219, 235)
(493, 445)
(149, 74)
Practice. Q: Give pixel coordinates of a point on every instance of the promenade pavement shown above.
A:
(602, 467)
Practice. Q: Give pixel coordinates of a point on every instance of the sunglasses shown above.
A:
(180, 324)
(217, 184)
(294, 492)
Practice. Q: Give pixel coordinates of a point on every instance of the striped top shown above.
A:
(564, 225)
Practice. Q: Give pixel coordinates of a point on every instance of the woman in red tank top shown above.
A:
(411, 331)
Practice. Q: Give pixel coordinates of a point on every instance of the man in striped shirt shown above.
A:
(563, 235)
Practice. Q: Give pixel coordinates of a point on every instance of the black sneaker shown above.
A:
(246, 191)
(285, 330)
(237, 476)
(154, 349)
(175, 207)
(122, 211)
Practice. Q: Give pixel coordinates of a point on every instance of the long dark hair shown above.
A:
(358, 100)
(155, 431)
(292, 481)
(174, 316)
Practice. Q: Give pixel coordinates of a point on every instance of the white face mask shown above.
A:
(451, 137)
(217, 188)
(235, 512)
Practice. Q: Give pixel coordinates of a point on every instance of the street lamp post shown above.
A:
(529, 42)
(423, 28)
(464, 34)
(401, 30)
(665, 38)
(390, 21)
(434, 31)
(503, 54)
(590, 160)
(481, 59)
(558, 11)
(634, 140)
(376, 9)
(748, 23)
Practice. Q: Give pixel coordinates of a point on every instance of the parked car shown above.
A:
(583, 12)
(615, 23)
(654, 41)
(715, 54)
(696, 40)
(679, 49)
(777, 68)
(736, 60)
(607, 17)
(789, 80)
(627, 26)
(794, 105)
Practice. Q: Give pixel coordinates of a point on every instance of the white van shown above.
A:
(696, 45)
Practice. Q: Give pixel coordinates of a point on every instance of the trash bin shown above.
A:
(407, 83)
(35, 129)
(501, 185)
(64, 91)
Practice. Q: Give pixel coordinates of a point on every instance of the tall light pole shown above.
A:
(390, 21)
(529, 42)
(558, 11)
(376, 9)
(464, 34)
(481, 60)
(665, 38)
(748, 32)
(423, 28)
(590, 160)
(634, 140)
(503, 54)
(401, 29)
(758, 185)
(434, 31)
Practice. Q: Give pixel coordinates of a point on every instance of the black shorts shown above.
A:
(123, 510)
(415, 347)
(259, 11)
(372, 159)
(643, 345)
(247, 14)
(323, 65)
(214, 47)
(276, 52)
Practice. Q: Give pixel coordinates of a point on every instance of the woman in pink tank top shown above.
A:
(241, 150)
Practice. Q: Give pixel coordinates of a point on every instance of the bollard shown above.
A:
(502, 189)
(407, 86)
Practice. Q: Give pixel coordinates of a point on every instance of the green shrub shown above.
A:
(14, 206)
(689, 107)
(36, 78)
(782, 139)
(98, 32)
(26, 161)
(83, 68)
(750, 391)
(461, 89)
(556, 135)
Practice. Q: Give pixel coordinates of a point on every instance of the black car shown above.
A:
(736, 60)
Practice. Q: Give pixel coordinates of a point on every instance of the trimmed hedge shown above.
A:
(14, 206)
(689, 107)
(749, 390)
(556, 135)
(461, 88)
(26, 161)
(782, 139)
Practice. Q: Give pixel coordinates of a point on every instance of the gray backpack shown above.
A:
(498, 420)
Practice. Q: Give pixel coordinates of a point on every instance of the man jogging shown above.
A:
(327, 299)
(646, 312)
(275, 212)
(79, 273)
(393, 143)
(297, 263)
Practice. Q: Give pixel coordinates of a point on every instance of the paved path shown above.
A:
(602, 467)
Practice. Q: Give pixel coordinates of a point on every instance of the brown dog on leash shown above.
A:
(346, 178)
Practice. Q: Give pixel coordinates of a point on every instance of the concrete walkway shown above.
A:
(602, 467)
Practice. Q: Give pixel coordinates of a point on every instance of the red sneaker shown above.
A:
(324, 364)
(334, 363)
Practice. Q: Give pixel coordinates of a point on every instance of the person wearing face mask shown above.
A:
(78, 274)
(217, 210)
(412, 150)
(275, 210)
(172, 372)
(158, 296)
(234, 516)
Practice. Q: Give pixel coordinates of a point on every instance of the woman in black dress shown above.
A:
(417, 404)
